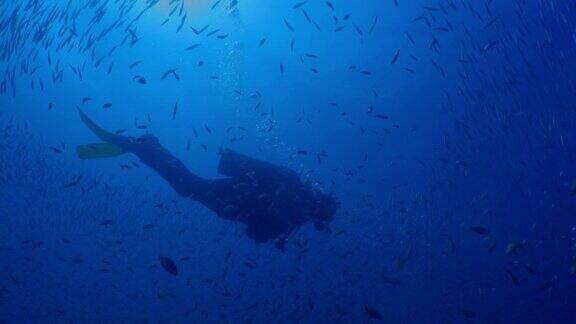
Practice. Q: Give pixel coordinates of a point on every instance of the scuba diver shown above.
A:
(270, 200)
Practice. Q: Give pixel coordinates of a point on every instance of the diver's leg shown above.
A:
(102, 133)
(154, 155)
(151, 153)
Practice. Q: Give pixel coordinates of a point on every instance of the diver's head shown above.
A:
(324, 210)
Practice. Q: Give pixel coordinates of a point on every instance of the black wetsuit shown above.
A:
(271, 200)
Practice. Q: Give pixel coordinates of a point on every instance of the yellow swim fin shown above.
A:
(97, 151)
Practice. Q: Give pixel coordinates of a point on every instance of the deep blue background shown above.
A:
(481, 132)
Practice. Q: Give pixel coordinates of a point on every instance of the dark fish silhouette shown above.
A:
(287, 24)
(170, 72)
(395, 58)
(513, 278)
(480, 230)
(75, 182)
(373, 26)
(373, 313)
(174, 111)
(393, 281)
(168, 265)
(298, 5)
(468, 313)
(55, 150)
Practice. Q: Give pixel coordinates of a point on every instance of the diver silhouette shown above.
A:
(271, 200)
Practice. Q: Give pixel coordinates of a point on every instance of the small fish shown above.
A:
(514, 248)
(133, 65)
(298, 5)
(403, 260)
(310, 303)
(373, 313)
(212, 32)
(492, 245)
(340, 28)
(358, 30)
(573, 191)
(75, 182)
(452, 246)
(549, 284)
(373, 26)
(395, 58)
(480, 230)
(488, 47)
(107, 222)
(174, 111)
(86, 99)
(513, 278)
(287, 24)
(467, 313)
(55, 150)
(530, 269)
(107, 105)
(573, 268)
(393, 281)
(181, 24)
(168, 265)
(250, 264)
(330, 5)
(171, 71)
(215, 5)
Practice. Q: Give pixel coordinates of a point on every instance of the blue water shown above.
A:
(446, 129)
